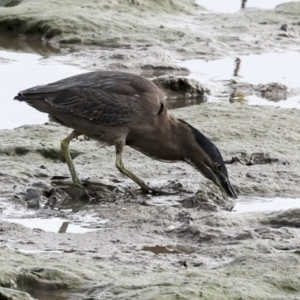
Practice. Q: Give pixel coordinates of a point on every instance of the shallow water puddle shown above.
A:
(44, 295)
(19, 71)
(231, 6)
(175, 249)
(26, 251)
(252, 69)
(160, 249)
(247, 204)
(170, 200)
(52, 225)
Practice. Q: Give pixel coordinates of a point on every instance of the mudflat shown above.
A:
(127, 245)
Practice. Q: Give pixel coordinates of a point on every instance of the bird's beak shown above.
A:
(224, 184)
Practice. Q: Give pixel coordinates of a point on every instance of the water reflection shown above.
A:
(236, 96)
(240, 90)
(266, 79)
(64, 227)
(184, 101)
(243, 4)
(18, 43)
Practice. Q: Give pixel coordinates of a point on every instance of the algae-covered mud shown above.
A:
(109, 240)
(181, 28)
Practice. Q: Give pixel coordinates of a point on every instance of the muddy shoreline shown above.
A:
(136, 246)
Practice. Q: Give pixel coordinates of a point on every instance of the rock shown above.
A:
(284, 27)
(181, 91)
(33, 198)
(181, 85)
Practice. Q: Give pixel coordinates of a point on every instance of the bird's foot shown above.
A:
(61, 182)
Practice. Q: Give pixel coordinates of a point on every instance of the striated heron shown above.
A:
(119, 109)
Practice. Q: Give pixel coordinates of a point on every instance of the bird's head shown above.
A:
(207, 159)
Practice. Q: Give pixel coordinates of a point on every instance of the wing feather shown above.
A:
(114, 82)
(96, 105)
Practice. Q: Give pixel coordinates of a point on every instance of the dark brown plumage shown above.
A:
(121, 109)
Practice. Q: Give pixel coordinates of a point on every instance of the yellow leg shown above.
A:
(65, 150)
(122, 169)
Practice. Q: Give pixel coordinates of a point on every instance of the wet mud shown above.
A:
(109, 240)
(188, 244)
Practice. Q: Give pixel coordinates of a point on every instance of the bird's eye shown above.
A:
(218, 167)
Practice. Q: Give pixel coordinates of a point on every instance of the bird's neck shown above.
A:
(176, 140)
(193, 146)
(169, 139)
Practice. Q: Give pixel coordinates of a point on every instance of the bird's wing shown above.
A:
(99, 106)
(112, 82)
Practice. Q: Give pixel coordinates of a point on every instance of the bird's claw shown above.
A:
(68, 183)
